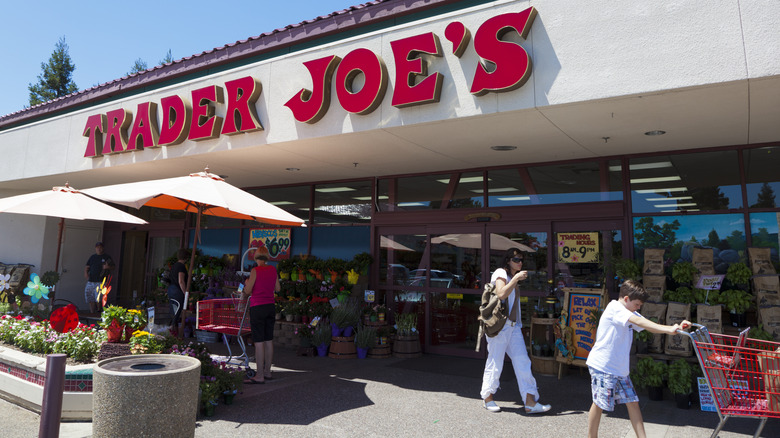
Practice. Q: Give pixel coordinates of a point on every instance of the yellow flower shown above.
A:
(352, 276)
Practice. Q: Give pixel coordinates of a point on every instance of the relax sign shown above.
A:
(118, 131)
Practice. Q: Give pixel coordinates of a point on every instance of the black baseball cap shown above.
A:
(99, 244)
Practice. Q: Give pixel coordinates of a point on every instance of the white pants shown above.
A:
(510, 342)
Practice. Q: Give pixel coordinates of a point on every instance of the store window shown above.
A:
(762, 176)
(413, 193)
(764, 233)
(294, 200)
(339, 242)
(506, 188)
(470, 191)
(455, 262)
(724, 233)
(566, 183)
(399, 255)
(342, 203)
(687, 182)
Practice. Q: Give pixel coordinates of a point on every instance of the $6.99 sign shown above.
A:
(578, 247)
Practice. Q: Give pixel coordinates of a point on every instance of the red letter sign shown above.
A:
(205, 125)
(370, 96)
(241, 115)
(116, 134)
(513, 65)
(144, 133)
(176, 120)
(309, 106)
(408, 66)
(96, 126)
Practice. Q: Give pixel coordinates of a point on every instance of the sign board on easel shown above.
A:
(579, 306)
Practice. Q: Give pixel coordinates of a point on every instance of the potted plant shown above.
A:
(739, 274)
(683, 272)
(134, 320)
(321, 339)
(209, 391)
(641, 339)
(305, 334)
(381, 312)
(737, 302)
(649, 373)
(229, 381)
(343, 319)
(407, 339)
(624, 268)
(362, 262)
(335, 268)
(680, 382)
(285, 267)
(364, 339)
(113, 319)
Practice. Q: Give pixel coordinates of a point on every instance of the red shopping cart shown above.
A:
(743, 375)
(228, 316)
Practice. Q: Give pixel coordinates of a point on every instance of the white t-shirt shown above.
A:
(610, 353)
(510, 300)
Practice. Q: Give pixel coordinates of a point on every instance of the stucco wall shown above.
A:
(581, 51)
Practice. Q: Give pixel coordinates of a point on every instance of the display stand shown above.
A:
(543, 345)
(578, 306)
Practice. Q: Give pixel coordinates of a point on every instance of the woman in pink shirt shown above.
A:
(261, 285)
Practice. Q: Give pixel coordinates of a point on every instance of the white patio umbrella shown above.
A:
(497, 241)
(200, 193)
(64, 203)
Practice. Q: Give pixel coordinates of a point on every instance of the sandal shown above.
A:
(253, 382)
(537, 409)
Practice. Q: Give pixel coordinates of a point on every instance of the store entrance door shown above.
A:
(583, 249)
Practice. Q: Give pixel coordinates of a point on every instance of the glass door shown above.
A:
(581, 250)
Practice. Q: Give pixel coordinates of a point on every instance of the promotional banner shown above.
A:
(578, 247)
(277, 240)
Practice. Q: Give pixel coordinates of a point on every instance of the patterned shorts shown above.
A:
(90, 292)
(609, 390)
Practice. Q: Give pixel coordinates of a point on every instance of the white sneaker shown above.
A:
(491, 406)
(537, 409)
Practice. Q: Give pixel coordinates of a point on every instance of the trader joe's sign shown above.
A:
(277, 240)
(578, 247)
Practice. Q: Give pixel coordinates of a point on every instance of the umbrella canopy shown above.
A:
(497, 241)
(65, 203)
(202, 191)
(199, 193)
(386, 242)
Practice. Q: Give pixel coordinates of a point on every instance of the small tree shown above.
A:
(56, 78)
(168, 58)
(138, 67)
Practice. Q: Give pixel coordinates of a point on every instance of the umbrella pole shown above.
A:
(192, 266)
(59, 244)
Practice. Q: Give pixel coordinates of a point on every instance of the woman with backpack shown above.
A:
(509, 340)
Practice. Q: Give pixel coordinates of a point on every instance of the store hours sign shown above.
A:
(578, 247)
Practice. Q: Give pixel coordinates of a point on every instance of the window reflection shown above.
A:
(399, 254)
(761, 176)
(685, 182)
(294, 200)
(469, 192)
(455, 262)
(764, 233)
(342, 203)
(724, 233)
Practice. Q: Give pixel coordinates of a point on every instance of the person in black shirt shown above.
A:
(176, 288)
(99, 266)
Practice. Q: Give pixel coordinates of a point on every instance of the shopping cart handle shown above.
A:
(693, 325)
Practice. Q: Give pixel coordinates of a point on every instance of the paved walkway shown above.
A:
(422, 397)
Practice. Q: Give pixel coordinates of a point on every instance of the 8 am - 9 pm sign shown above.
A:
(578, 247)
(277, 240)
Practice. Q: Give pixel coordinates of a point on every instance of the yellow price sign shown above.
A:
(454, 296)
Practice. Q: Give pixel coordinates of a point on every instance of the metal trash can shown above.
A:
(145, 395)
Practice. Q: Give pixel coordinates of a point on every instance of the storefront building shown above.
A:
(434, 135)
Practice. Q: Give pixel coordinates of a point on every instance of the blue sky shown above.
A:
(105, 38)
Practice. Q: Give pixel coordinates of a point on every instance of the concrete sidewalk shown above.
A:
(427, 396)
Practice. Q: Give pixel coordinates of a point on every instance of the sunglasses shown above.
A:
(517, 259)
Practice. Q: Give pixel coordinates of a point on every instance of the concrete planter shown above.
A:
(145, 395)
